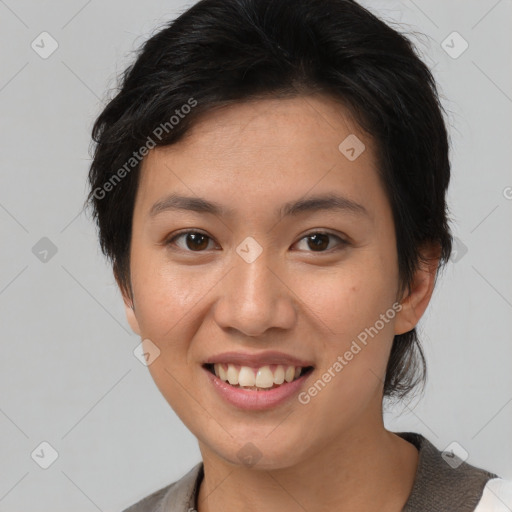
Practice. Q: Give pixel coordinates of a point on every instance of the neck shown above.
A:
(362, 470)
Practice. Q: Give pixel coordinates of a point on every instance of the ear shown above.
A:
(130, 316)
(129, 308)
(414, 301)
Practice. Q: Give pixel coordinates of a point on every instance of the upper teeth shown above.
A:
(262, 377)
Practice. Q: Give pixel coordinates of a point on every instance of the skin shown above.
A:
(332, 453)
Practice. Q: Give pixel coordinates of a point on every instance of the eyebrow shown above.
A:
(326, 202)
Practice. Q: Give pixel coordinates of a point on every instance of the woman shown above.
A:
(269, 184)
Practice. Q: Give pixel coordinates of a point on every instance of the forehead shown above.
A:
(271, 147)
(309, 117)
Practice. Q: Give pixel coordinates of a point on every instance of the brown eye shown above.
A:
(319, 241)
(194, 241)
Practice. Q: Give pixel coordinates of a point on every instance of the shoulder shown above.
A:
(497, 496)
(178, 496)
(444, 481)
(151, 502)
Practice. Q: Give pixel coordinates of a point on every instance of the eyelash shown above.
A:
(342, 243)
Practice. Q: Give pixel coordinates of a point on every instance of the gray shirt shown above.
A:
(443, 483)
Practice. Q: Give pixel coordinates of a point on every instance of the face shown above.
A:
(270, 283)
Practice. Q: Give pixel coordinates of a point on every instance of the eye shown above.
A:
(319, 241)
(195, 241)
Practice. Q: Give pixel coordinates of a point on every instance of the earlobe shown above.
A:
(130, 316)
(416, 299)
(129, 307)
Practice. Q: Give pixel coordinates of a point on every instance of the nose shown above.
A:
(254, 298)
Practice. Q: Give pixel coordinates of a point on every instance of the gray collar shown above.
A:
(437, 486)
(440, 486)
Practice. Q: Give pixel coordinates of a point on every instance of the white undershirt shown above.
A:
(497, 496)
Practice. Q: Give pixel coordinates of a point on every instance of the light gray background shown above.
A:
(68, 373)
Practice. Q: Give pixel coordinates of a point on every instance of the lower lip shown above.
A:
(256, 400)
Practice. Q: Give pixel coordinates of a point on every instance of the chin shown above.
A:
(259, 454)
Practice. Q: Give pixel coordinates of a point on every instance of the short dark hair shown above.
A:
(222, 52)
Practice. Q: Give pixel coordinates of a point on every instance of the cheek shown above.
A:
(169, 307)
(165, 293)
(351, 297)
(161, 299)
(354, 310)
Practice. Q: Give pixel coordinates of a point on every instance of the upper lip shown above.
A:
(257, 360)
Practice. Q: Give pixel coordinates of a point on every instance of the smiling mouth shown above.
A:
(262, 378)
